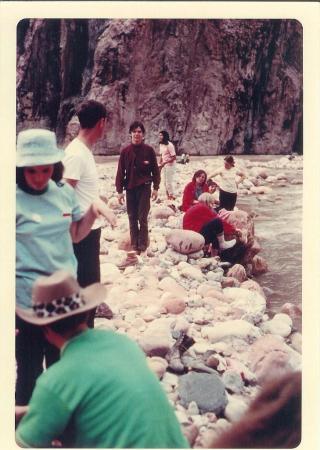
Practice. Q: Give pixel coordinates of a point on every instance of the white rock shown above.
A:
(135, 283)
(170, 379)
(109, 273)
(283, 318)
(157, 365)
(193, 409)
(251, 302)
(235, 408)
(181, 325)
(296, 342)
(168, 284)
(277, 327)
(231, 328)
(192, 273)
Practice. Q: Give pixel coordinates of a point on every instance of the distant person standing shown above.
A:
(227, 185)
(167, 162)
(137, 170)
(81, 173)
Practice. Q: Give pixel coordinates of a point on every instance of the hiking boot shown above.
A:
(131, 260)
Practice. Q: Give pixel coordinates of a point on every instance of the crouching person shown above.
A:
(101, 392)
(202, 218)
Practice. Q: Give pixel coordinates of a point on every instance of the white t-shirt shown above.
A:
(80, 165)
(227, 181)
(166, 152)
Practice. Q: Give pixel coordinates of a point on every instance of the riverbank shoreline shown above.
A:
(167, 295)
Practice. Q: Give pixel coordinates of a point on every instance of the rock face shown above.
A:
(217, 86)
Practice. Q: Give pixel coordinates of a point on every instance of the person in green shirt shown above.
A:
(101, 393)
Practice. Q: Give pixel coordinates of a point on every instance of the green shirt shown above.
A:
(104, 395)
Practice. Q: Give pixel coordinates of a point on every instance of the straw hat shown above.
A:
(58, 296)
(37, 147)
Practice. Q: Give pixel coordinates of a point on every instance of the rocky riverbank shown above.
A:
(202, 322)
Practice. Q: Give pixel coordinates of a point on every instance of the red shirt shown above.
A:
(200, 214)
(189, 194)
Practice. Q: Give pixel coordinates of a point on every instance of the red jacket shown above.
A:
(189, 194)
(200, 214)
(137, 165)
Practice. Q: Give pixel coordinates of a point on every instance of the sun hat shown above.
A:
(58, 296)
(37, 147)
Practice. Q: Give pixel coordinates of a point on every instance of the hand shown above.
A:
(20, 411)
(154, 195)
(238, 232)
(101, 209)
(121, 198)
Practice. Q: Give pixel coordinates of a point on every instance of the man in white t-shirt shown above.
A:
(167, 162)
(81, 173)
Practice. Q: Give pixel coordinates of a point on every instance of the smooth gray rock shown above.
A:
(207, 390)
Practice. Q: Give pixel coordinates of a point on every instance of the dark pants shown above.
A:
(227, 200)
(138, 207)
(31, 349)
(87, 253)
(210, 231)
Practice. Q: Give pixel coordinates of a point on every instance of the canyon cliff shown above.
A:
(217, 86)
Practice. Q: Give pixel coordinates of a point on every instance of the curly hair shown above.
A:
(273, 419)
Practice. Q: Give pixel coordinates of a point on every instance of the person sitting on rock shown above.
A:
(202, 219)
(194, 189)
(212, 189)
(101, 393)
(273, 419)
(184, 159)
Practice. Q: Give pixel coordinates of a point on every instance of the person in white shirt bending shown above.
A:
(167, 162)
(228, 183)
(81, 172)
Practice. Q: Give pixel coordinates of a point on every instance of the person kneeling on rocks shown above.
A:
(202, 219)
(101, 393)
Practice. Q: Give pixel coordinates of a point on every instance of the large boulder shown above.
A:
(185, 241)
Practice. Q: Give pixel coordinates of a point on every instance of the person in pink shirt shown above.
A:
(167, 162)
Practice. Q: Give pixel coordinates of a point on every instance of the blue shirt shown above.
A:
(43, 240)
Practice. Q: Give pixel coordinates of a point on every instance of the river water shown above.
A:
(278, 227)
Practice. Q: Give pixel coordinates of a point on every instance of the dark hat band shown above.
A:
(59, 306)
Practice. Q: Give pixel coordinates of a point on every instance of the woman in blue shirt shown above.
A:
(48, 220)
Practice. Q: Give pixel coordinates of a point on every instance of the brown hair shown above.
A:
(273, 420)
(198, 173)
(56, 176)
(136, 124)
(90, 112)
(230, 160)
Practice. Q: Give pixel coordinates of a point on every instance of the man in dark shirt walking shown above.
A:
(137, 169)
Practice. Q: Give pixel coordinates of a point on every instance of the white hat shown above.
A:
(37, 147)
